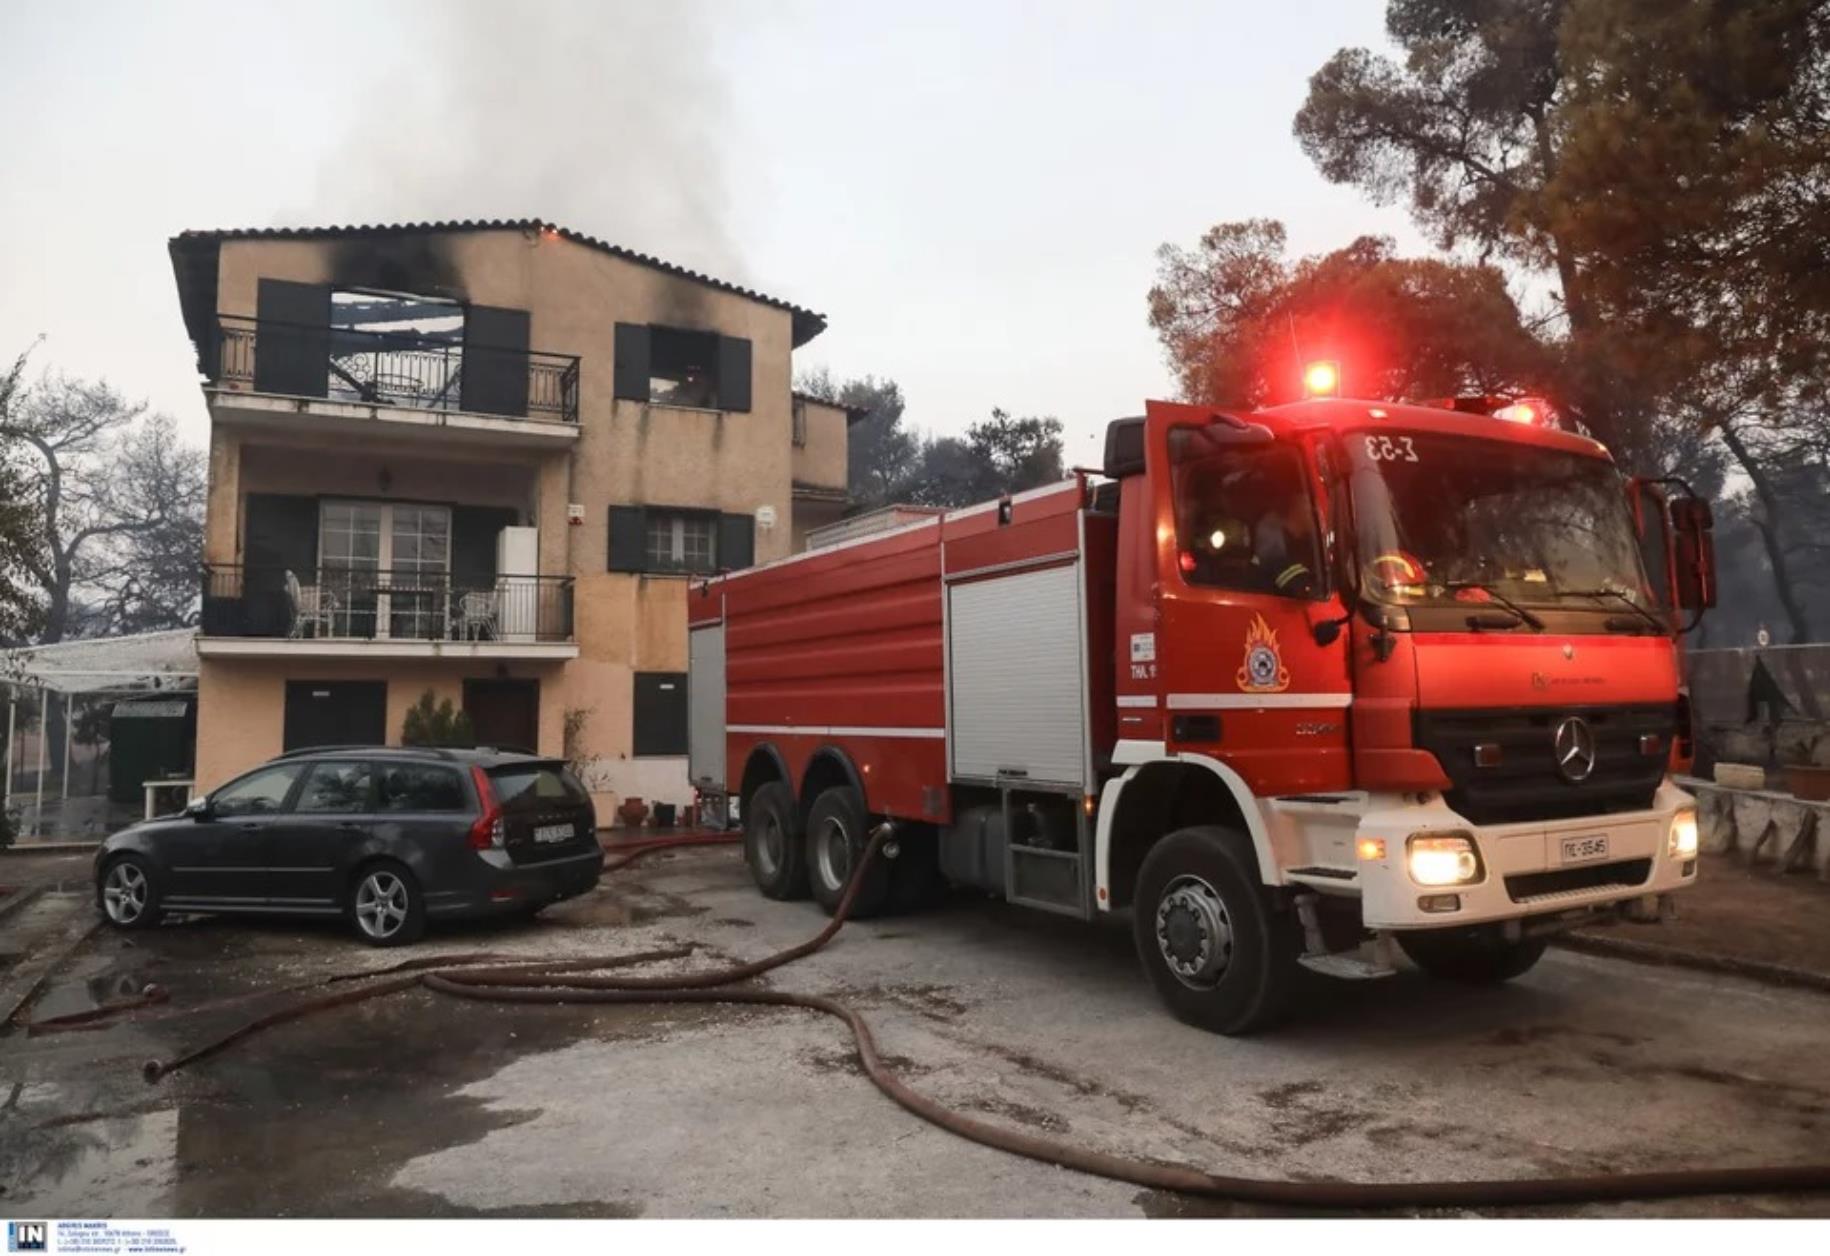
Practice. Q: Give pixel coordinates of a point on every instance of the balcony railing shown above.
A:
(369, 604)
(393, 369)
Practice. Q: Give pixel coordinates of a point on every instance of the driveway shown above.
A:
(420, 1105)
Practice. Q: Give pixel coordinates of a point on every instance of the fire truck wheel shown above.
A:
(1479, 956)
(915, 879)
(1217, 951)
(838, 830)
(772, 842)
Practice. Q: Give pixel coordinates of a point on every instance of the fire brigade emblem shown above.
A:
(1264, 670)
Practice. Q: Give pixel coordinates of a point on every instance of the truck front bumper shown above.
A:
(1533, 868)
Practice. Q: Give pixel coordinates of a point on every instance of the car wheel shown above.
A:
(386, 907)
(127, 894)
(1475, 956)
(837, 835)
(772, 842)
(1219, 953)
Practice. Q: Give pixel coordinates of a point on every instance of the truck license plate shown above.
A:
(553, 833)
(1585, 849)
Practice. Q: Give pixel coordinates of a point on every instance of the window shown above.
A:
(334, 789)
(395, 349)
(683, 368)
(681, 541)
(382, 569)
(1244, 518)
(258, 793)
(536, 787)
(417, 787)
(660, 713)
(799, 434)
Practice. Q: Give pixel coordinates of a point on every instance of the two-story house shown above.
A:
(482, 459)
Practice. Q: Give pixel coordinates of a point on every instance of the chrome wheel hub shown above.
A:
(381, 905)
(124, 893)
(833, 855)
(1193, 932)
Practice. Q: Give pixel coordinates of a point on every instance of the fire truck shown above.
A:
(1294, 687)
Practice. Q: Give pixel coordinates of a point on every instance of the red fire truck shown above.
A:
(1292, 686)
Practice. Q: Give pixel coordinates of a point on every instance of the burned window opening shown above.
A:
(396, 348)
(683, 368)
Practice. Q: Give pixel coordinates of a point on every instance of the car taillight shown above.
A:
(488, 833)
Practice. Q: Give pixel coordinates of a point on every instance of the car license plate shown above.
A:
(1585, 849)
(553, 833)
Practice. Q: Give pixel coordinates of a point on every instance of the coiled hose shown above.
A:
(499, 979)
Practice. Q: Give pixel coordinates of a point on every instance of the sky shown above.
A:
(972, 194)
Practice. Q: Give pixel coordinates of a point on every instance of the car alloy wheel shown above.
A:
(124, 893)
(381, 904)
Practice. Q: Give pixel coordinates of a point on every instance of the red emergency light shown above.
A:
(1528, 410)
(1322, 379)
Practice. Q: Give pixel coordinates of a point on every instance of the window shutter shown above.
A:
(733, 373)
(628, 538)
(292, 338)
(631, 381)
(736, 542)
(474, 530)
(495, 361)
(659, 714)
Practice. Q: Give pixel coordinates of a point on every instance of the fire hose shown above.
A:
(585, 980)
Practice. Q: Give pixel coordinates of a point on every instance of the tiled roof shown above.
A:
(187, 245)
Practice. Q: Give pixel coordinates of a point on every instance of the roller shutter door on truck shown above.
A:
(705, 706)
(1017, 678)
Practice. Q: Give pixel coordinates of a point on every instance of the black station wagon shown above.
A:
(386, 837)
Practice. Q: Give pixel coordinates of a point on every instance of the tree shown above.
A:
(1238, 321)
(882, 453)
(19, 524)
(120, 509)
(433, 721)
(997, 456)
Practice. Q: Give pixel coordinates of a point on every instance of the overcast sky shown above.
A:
(972, 193)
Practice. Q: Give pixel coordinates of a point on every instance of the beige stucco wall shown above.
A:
(627, 453)
(241, 703)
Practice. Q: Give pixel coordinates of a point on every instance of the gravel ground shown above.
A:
(420, 1105)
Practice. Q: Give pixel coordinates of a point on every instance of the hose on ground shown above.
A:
(578, 982)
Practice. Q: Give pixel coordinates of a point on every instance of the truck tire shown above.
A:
(1478, 956)
(915, 879)
(772, 844)
(1217, 950)
(838, 830)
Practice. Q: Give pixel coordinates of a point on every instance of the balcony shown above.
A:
(357, 612)
(274, 372)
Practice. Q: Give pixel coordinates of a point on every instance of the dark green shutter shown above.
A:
(495, 361)
(281, 535)
(736, 542)
(474, 530)
(292, 338)
(631, 376)
(659, 714)
(628, 538)
(733, 373)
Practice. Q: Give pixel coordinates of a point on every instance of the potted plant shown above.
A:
(1804, 752)
(632, 811)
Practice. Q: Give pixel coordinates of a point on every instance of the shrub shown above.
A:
(435, 722)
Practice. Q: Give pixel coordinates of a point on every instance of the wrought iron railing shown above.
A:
(368, 604)
(392, 368)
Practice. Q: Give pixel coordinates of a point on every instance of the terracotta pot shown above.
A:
(1809, 783)
(632, 812)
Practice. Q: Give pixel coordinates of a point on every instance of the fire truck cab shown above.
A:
(1291, 687)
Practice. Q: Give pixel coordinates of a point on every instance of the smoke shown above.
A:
(607, 118)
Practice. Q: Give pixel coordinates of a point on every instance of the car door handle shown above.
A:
(249, 827)
(350, 826)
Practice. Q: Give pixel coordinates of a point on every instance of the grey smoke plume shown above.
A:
(609, 118)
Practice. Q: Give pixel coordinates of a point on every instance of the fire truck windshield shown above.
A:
(1455, 520)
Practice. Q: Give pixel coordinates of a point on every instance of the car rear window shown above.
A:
(533, 785)
(420, 787)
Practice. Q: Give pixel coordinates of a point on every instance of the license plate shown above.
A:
(553, 833)
(1585, 849)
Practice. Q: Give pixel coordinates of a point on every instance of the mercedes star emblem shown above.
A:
(1574, 747)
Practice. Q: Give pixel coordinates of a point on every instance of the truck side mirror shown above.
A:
(1692, 525)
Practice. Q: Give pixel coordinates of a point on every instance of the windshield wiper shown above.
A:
(1524, 615)
(1624, 600)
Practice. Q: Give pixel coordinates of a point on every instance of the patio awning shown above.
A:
(158, 660)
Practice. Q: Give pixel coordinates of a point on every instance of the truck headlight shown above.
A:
(1681, 843)
(1443, 859)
